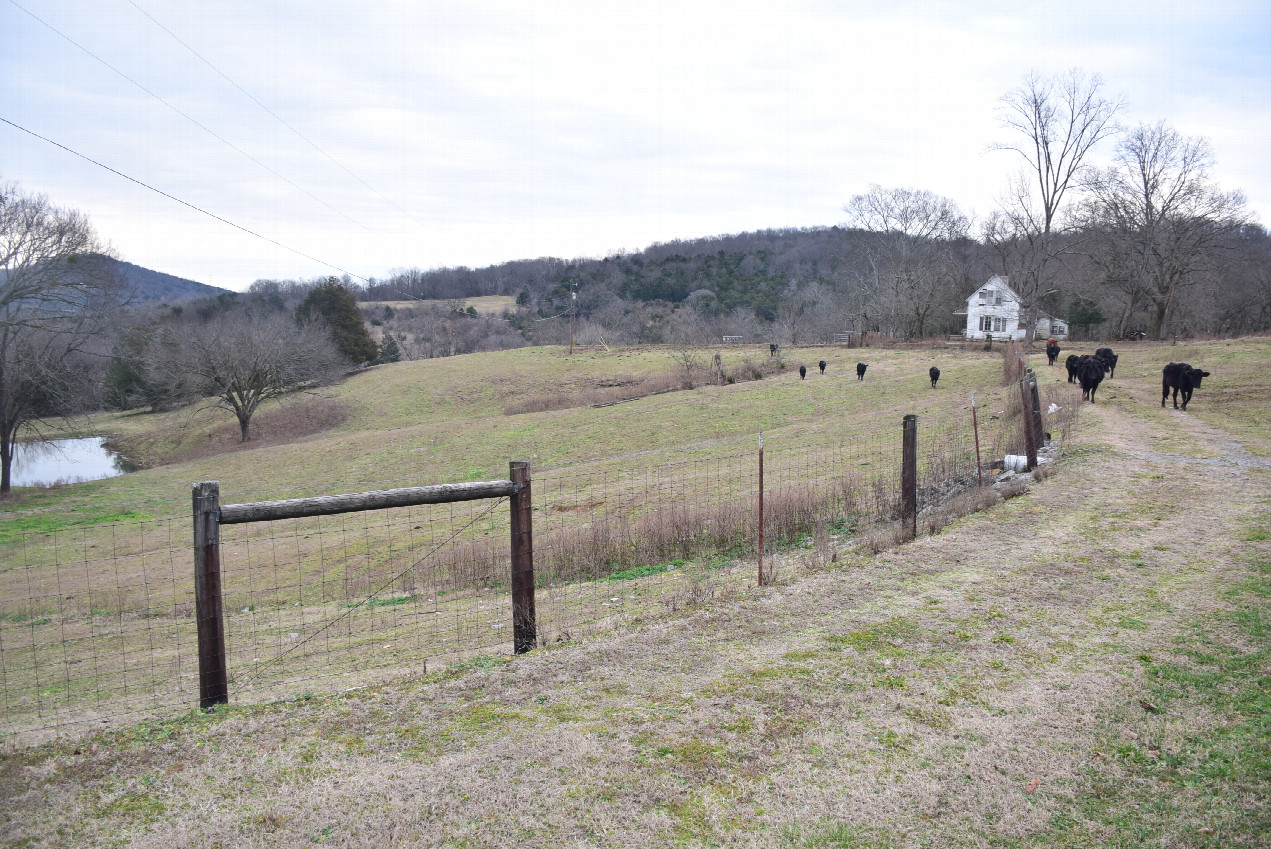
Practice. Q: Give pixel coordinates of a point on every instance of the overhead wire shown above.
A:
(198, 209)
(273, 114)
(191, 119)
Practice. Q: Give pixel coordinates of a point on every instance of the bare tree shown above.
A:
(911, 252)
(242, 361)
(1057, 121)
(1159, 218)
(54, 294)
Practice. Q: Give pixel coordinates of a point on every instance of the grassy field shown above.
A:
(484, 305)
(1087, 665)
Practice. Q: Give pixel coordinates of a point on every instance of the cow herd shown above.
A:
(1089, 370)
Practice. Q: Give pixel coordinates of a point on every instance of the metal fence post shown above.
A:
(975, 426)
(760, 509)
(524, 620)
(213, 675)
(909, 476)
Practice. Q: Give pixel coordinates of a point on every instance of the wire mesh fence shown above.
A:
(98, 626)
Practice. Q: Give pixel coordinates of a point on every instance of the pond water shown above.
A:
(65, 461)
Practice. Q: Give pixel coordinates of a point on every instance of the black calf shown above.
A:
(1052, 354)
(860, 370)
(1109, 360)
(1071, 364)
(1091, 375)
(822, 365)
(1180, 377)
(803, 372)
(935, 375)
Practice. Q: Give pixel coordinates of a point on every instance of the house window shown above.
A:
(986, 324)
(992, 324)
(997, 301)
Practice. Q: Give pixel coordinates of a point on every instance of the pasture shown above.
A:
(1084, 665)
(483, 304)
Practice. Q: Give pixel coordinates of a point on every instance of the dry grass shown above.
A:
(938, 693)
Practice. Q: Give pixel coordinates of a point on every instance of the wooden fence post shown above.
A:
(213, 674)
(1039, 434)
(909, 476)
(524, 620)
(1030, 425)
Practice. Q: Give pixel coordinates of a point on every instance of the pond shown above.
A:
(65, 461)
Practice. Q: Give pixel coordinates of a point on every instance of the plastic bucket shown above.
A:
(1015, 463)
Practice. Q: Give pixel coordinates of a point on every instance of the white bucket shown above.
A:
(1015, 463)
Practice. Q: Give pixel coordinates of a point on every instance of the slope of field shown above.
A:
(443, 420)
(1086, 665)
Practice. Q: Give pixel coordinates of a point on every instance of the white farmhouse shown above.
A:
(996, 310)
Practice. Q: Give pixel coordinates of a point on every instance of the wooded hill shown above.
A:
(809, 283)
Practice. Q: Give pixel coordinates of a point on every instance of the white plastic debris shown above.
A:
(1052, 409)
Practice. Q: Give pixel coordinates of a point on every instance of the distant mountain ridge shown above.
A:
(145, 285)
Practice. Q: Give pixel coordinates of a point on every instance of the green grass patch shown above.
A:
(645, 571)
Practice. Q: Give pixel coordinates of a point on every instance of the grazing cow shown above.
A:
(935, 375)
(1071, 364)
(803, 372)
(1090, 372)
(1109, 360)
(860, 370)
(1052, 352)
(772, 349)
(822, 365)
(1180, 377)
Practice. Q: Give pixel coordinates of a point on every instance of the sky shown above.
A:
(290, 139)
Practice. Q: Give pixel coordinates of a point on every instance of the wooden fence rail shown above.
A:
(209, 515)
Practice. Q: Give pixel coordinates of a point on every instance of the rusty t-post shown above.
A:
(524, 620)
(761, 575)
(213, 674)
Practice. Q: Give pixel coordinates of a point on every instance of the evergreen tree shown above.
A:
(335, 306)
(389, 350)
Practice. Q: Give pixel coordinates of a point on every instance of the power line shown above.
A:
(191, 119)
(182, 202)
(274, 115)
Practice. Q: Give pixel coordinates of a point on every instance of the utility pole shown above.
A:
(573, 299)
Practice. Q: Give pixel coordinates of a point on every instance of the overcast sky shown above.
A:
(371, 136)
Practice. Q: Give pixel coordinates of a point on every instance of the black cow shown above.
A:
(1071, 364)
(772, 349)
(1052, 353)
(822, 365)
(1090, 371)
(935, 375)
(803, 372)
(860, 370)
(1180, 377)
(1109, 360)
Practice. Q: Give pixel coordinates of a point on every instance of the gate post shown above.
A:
(1040, 434)
(524, 625)
(909, 477)
(1030, 424)
(208, 613)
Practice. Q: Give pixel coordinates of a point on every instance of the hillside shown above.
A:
(1083, 665)
(145, 285)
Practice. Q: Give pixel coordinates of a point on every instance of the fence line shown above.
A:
(98, 623)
